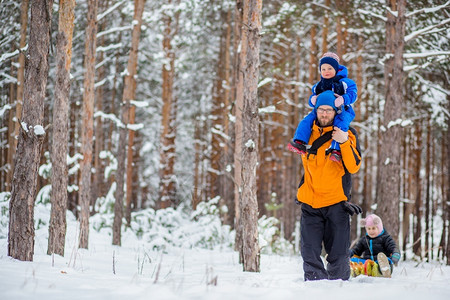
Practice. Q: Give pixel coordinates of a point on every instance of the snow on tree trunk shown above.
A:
(87, 129)
(250, 136)
(58, 199)
(388, 188)
(31, 136)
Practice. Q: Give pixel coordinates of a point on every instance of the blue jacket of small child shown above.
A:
(350, 87)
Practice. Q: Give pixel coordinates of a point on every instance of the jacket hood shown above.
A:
(342, 71)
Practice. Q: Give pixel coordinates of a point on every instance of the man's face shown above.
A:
(325, 115)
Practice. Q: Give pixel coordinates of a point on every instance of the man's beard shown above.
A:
(325, 121)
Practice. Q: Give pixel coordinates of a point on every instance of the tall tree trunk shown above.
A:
(19, 93)
(325, 29)
(417, 236)
(133, 59)
(313, 66)
(388, 189)
(196, 193)
(227, 159)
(87, 130)
(72, 200)
(8, 159)
(58, 199)
(240, 48)
(31, 136)
(167, 187)
(250, 122)
(216, 116)
(447, 194)
(129, 93)
(428, 183)
(339, 30)
(97, 180)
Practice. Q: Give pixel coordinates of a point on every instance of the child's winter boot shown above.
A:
(297, 146)
(383, 262)
(336, 155)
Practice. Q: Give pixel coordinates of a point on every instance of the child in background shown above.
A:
(376, 251)
(333, 78)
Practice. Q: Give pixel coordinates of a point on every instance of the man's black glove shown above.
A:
(352, 208)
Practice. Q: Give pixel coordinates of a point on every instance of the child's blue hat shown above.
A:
(330, 58)
(326, 98)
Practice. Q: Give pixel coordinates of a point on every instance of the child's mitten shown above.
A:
(338, 101)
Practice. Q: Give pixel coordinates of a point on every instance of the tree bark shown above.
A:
(87, 130)
(167, 187)
(313, 66)
(325, 29)
(227, 183)
(388, 189)
(447, 194)
(417, 236)
(99, 145)
(132, 64)
(21, 206)
(250, 122)
(57, 228)
(240, 44)
(19, 93)
(129, 93)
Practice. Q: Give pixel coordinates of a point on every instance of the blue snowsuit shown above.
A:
(343, 118)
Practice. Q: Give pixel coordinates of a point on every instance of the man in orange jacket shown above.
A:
(324, 192)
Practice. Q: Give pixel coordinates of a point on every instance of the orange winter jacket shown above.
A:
(327, 182)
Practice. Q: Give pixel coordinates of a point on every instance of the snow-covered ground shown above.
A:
(141, 273)
(190, 273)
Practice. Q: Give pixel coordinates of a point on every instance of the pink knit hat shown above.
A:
(330, 58)
(332, 55)
(373, 220)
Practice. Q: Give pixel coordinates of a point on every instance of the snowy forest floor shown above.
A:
(141, 273)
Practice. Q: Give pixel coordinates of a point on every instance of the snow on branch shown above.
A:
(114, 30)
(424, 30)
(108, 11)
(9, 77)
(139, 104)
(264, 81)
(267, 110)
(119, 124)
(135, 127)
(392, 12)
(4, 108)
(425, 54)
(6, 56)
(369, 13)
(111, 117)
(109, 47)
(220, 133)
(427, 10)
(440, 57)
